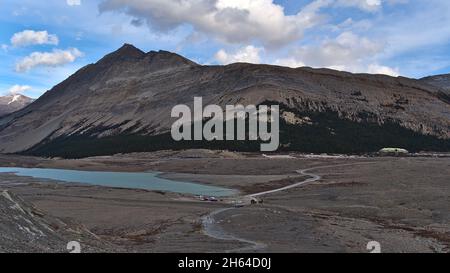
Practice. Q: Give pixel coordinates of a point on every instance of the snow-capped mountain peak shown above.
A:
(15, 98)
(12, 103)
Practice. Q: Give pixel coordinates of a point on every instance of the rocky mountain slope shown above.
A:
(122, 103)
(12, 103)
(440, 81)
(26, 229)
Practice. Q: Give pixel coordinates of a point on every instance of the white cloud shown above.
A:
(248, 54)
(262, 22)
(31, 37)
(367, 5)
(18, 89)
(50, 59)
(234, 21)
(231, 21)
(288, 62)
(73, 2)
(347, 52)
(380, 69)
(346, 48)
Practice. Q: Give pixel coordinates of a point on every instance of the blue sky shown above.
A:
(43, 42)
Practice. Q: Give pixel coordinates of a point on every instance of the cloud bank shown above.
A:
(347, 52)
(259, 26)
(230, 21)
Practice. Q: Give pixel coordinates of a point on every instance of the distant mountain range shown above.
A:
(12, 103)
(122, 104)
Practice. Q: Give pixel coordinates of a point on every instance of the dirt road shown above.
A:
(212, 229)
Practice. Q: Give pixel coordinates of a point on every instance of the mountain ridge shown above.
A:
(129, 92)
(440, 81)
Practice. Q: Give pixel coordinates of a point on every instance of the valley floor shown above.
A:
(402, 203)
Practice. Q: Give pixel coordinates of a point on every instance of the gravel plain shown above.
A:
(402, 203)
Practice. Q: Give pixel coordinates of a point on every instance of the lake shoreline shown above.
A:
(387, 200)
(151, 181)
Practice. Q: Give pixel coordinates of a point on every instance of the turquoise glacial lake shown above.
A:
(131, 180)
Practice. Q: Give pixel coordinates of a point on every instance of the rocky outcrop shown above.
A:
(26, 229)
